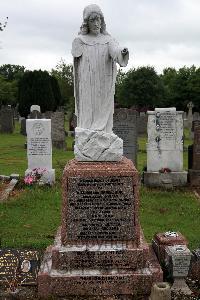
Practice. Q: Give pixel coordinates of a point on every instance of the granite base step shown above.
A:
(157, 179)
(103, 255)
(89, 282)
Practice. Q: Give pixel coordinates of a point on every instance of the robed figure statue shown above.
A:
(95, 55)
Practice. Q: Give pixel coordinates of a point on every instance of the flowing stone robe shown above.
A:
(95, 73)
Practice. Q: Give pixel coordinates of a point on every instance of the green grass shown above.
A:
(31, 218)
(177, 210)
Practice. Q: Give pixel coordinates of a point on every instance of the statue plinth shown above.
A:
(99, 249)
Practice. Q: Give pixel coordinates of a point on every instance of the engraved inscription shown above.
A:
(39, 146)
(22, 265)
(167, 125)
(100, 208)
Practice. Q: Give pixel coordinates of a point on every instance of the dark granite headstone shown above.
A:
(58, 129)
(22, 265)
(6, 120)
(125, 127)
(23, 126)
(194, 172)
(190, 156)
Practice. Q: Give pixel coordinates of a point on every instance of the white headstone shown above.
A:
(165, 140)
(35, 107)
(39, 148)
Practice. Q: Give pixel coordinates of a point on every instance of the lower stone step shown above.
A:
(88, 282)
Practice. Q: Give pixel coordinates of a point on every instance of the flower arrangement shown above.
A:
(34, 176)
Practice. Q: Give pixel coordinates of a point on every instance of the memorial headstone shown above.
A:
(100, 249)
(58, 129)
(177, 261)
(194, 172)
(125, 126)
(163, 239)
(39, 148)
(6, 119)
(194, 272)
(142, 123)
(165, 148)
(35, 112)
(23, 126)
(196, 116)
(190, 106)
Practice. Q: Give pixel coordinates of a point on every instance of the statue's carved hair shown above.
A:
(88, 10)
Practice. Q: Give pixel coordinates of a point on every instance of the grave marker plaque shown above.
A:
(22, 265)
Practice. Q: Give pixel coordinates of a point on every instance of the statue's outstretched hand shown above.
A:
(124, 51)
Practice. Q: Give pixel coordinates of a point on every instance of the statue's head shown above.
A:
(93, 20)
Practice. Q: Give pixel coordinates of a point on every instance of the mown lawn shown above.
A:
(31, 217)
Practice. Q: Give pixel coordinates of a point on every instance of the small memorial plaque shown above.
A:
(21, 265)
(100, 208)
(178, 259)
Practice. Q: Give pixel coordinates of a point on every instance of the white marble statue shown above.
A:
(95, 55)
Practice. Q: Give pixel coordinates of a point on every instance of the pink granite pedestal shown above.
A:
(99, 249)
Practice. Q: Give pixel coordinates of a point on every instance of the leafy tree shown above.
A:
(38, 87)
(8, 92)
(12, 72)
(64, 74)
(140, 87)
(181, 87)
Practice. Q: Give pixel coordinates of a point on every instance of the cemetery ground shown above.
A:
(31, 215)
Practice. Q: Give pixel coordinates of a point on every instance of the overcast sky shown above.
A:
(159, 33)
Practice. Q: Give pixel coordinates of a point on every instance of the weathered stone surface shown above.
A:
(99, 282)
(125, 127)
(194, 172)
(35, 107)
(160, 291)
(93, 145)
(164, 239)
(100, 264)
(96, 194)
(165, 140)
(58, 129)
(165, 148)
(6, 120)
(178, 259)
(5, 194)
(103, 255)
(23, 126)
(39, 148)
(142, 123)
(155, 179)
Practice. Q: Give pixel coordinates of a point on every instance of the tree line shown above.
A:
(140, 88)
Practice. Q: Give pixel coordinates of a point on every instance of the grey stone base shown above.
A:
(194, 177)
(167, 180)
